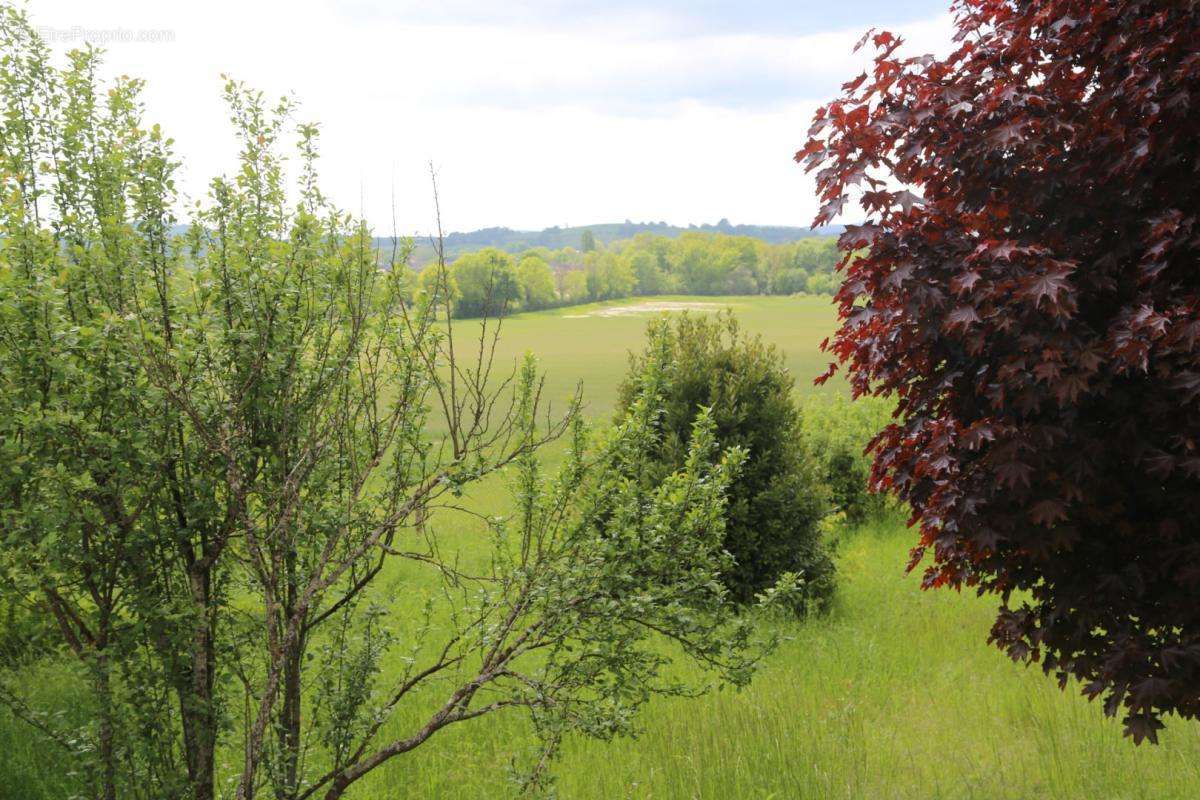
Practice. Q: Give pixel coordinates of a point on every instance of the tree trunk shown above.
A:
(196, 700)
(289, 725)
(107, 749)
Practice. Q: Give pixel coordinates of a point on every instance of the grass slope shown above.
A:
(893, 695)
(589, 344)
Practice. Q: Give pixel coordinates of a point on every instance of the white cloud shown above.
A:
(530, 124)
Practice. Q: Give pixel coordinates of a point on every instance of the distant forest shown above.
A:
(557, 238)
(494, 281)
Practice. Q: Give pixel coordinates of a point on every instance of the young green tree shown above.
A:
(821, 283)
(436, 285)
(776, 500)
(214, 448)
(79, 465)
(716, 264)
(607, 276)
(789, 281)
(573, 286)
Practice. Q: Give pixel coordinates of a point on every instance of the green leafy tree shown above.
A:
(818, 254)
(536, 280)
(649, 277)
(716, 264)
(436, 285)
(213, 447)
(789, 281)
(102, 531)
(487, 283)
(408, 280)
(821, 283)
(777, 500)
(696, 263)
(587, 241)
(608, 277)
(698, 267)
(573, 286)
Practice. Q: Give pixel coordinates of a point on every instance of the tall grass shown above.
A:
(894, 694)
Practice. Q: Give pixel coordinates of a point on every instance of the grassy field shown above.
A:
(589, 344)
(892, 695)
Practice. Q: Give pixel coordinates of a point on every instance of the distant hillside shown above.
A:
(556, 237)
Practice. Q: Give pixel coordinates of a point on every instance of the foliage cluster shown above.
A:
(838, 433)
(456, 244)
(1030, 297)
(711, 369)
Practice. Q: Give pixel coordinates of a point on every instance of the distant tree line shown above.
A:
(515, 241)
(491, 281)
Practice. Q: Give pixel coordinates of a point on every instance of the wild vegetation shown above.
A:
(213, 449)
(281, 516)
(837, 431)
(853, 703)
(453, 245)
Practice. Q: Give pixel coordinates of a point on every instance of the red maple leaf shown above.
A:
(1049, 285)
(1048, 512)
(1009, 133)
(963, 316)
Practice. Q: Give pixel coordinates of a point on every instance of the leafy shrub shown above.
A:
(1030, 295)
(776, 501)
(25, 634)
(837, 432)
(789, 281)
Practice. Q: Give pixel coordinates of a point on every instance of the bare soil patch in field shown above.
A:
(644, 308)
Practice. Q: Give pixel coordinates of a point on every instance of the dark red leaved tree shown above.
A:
(1030, 292)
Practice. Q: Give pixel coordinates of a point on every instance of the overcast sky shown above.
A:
(534, 112)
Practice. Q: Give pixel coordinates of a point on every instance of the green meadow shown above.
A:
(894, 694)
(589, 345)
